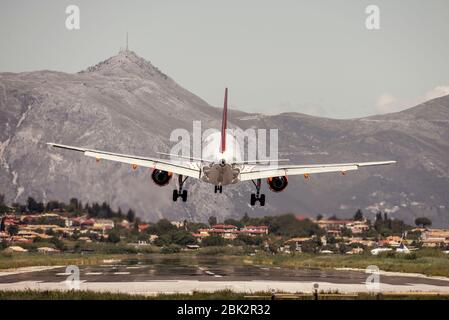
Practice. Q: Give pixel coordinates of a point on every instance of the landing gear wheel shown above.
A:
(175, 195)
(180, 193)
(257, 196)
(184, 196)
(218, 189)
(253, 199)
(262, 200)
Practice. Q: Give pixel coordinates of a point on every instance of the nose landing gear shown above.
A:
(218, 189)
(257, 196)
(180, 192)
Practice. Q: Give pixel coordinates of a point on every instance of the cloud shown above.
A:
(437, 92)
(388, 103)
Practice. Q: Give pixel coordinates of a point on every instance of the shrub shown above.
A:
(173, 248)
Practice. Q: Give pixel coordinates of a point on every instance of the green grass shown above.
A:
(427, 261)
(218, 295)
(18, 260)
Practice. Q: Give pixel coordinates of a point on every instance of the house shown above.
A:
(364, 242)
(355, 251)
(18, 239)
(358, 227)
(178, 224)
(254, 230)
(434, 237)
(88, 223)
(125, 224)
(15, 249)
(4, 236)
(142, 227)
(298, 242)
(103, 224)
(392, 241)
(333, 227)
(47, 250)
(229, 231)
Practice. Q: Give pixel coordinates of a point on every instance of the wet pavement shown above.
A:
(206, 269)
(214, 271)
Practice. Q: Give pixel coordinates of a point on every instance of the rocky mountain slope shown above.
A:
(126, 105)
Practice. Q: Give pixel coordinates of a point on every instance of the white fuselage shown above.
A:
(222, 168)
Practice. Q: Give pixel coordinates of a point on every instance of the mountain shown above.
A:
(125, 104)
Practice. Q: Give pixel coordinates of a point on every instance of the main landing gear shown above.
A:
(180, 193)
(257, 196)
(218, 189)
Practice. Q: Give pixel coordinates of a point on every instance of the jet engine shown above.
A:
(161, 177)
(277, 184)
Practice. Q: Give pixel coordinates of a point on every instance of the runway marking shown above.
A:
(209, 272)
(64, 274)
(93, 273)
(121, 272)
(217, 276)
(136, 267)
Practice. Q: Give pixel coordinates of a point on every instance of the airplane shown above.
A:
(223, 165)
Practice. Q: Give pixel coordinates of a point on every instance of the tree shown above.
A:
(287, 225)
(13, 230)
(213, 241)
(32, 204)
(319, 217)
(245, 218)
(379, 216)
(212, 220)
(233, 222)
(358, 216)
(183, 238)
(130, 216)
(114, 237)
(2, 224)
(423, 221)
(3, 207)
(58, 244)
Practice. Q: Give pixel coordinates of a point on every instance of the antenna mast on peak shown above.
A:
(126, 40)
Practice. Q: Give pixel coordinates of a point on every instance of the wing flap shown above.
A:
(261, 173)
(186, 169)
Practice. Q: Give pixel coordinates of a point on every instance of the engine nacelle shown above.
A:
(161, 177)
(277, 184)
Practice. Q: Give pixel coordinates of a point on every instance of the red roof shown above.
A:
(224, 226)
(252, 231)
(256, 227)
(89, 222)
(143, 227)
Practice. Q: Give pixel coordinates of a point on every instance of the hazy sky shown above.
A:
(315, 57)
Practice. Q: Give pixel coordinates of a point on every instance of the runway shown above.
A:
(167, 275)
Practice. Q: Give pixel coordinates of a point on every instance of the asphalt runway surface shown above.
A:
(209, 274)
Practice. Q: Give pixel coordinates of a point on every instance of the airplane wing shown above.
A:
(254, 172)
(189, 169)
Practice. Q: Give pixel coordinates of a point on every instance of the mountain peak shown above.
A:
(126, 63)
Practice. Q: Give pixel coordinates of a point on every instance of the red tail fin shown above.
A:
(224, 122)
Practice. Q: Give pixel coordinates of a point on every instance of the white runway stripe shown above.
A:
(121, 273)
(93, 273)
